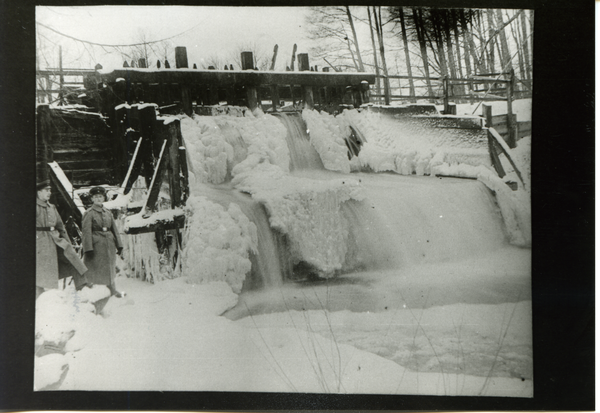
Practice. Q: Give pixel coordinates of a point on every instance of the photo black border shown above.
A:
(563, 188)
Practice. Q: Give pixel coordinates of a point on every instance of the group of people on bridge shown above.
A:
(57, 259)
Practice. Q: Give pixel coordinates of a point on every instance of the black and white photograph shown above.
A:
(337, 201)
(248, 206)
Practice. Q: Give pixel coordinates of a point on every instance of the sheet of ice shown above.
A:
(169, 336)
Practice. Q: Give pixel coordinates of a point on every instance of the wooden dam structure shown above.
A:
(124, 126)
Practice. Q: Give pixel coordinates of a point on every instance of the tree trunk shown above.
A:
(516, 37)
(492, 42)
(472, 49)
(439, 41)
(407, 54)
(506, 56)
(445, 20)
(418, 18)
(377, 85)
(525, 46)
(379, 28)
(358, 56)
(457, 40)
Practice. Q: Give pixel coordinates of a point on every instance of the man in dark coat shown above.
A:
(56, 258)
(101, 242)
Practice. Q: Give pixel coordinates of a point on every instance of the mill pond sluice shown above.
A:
(137, 132)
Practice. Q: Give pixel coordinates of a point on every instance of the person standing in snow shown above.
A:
(101, 242)
(55, 256)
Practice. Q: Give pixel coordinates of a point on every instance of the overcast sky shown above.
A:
(207, 31)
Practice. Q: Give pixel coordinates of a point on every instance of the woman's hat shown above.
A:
(98, 190)
(42, 184)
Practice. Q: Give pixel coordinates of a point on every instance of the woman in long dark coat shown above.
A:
(101, 242)
(55, 256)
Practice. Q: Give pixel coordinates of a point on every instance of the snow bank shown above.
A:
(48, 370)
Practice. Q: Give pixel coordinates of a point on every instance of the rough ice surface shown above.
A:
(327, 136)
(410, 146)
(217, 144)
(217, 243)
(307, 211)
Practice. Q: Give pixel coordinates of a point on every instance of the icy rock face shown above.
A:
(309, 212)
(217, 243)
(327, 136)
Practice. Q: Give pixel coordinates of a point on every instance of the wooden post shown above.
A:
(307, 91)
(61, 97)
(293, 57)
(446, 91)
(364, 89)
(174, 166)
(274, 57)
(43, 141)
(511, 141)
(247, 61)
(120, 126)
(275, 97)
(181, 60)
(251, 93)
(186, 99)
(487, 114)
(451, 109)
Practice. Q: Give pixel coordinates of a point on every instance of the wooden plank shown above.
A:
(85, 164)
(156, 179)
(177, 223)
(233, 77)
(506, 150)
(74, 209)
(133, 171)
(81, 177)
(66, 155)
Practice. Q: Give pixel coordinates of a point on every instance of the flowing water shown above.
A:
(413, 242)
(404, 224)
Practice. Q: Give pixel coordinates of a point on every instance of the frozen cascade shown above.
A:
(302, 154)
(316, 222)
(270, 265)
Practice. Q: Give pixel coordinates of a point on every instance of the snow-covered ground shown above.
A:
(425, 282)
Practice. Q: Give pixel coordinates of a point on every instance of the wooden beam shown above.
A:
(235, 77)
(506, 150)
(76, 213)
(178, 222)
(157, 179)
